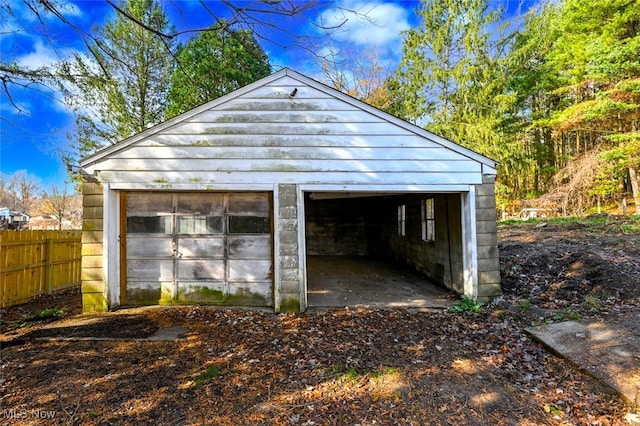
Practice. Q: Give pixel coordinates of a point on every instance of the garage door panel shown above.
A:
(251, 294)
(254, 204)
(201, 225)
(250, 247)
(149, 292)
(249, 270)
(210, 247)
(150, 269)
(201, 291)
(144, 204)
(200, 203)
(207, 269)
(149, 247)
(147, 225)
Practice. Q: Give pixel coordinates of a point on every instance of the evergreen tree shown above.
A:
(121, 89)
(452, 78)
(440, 58)
(597, 63)
(216, 62)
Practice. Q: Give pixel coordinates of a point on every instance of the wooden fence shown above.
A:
(37, 262)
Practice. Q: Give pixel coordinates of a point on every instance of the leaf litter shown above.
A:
(352, 366)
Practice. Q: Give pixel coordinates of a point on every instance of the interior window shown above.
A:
(249, 225)
(402, 220)
(199, 224)
(149, 224)
(428, 220)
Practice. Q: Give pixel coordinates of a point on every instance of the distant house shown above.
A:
(225, 203)
(12, 219)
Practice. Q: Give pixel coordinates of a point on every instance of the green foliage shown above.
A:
(567, 314)
(454, 80)
(524, 305)
(574, 71)
(450, 76)
(467, 305)
(44, 315)
(121, 89)
(52, 313)
(342, 371)
(592, 303)
(211, 372)
(214, 63)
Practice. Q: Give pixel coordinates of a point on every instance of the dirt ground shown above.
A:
(344, 366)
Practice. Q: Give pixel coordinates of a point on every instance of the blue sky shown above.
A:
(32, 134)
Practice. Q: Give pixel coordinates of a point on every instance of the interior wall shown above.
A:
(369, 226)
(336, 227)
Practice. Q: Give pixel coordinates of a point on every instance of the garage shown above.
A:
(227, 203)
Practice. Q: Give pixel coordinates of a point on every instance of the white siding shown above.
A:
(266, 136)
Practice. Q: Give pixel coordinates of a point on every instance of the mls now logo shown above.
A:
(15, 414)
(12, 413)
(43, 414)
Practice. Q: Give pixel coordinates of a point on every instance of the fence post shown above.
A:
(49, 268)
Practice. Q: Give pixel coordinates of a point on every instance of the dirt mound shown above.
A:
(571, 264)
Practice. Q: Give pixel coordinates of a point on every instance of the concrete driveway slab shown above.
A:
(607, 349)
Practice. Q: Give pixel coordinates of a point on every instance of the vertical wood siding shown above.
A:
(37, 262)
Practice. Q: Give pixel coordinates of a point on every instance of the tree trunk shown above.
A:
(633, 178)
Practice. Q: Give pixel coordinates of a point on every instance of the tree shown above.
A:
(214, 63)
(597, 58)
(257, 17)
(56, 203)
(121, 90)
(580, 98)
(452, 79)
(439, 58)
(20, 192)
(364, 78)
(531, 83)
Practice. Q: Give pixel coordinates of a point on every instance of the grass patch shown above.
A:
(628, 224)
(380, 373)
(524, 305)
(591, 303)
(352, 374)
(467, 305)
(348, 374)
(211, 372)
(42, 316)
(567, 314)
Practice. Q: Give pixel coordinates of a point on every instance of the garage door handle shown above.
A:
(176, 253)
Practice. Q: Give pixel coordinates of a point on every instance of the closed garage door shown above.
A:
(204, 248)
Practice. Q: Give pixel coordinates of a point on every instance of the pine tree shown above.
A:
(216, 62)
(121, 89)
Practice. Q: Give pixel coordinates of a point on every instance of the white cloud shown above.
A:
(70, 9)
(41, 56)
(367, 23)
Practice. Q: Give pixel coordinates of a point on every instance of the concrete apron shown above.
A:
(607, 349)
(339, 281)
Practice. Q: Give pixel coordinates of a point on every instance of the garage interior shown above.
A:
(371, 250)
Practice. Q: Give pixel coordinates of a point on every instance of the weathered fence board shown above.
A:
(37, 262)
